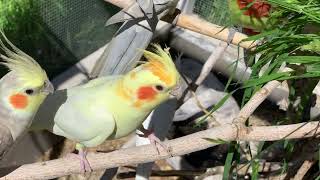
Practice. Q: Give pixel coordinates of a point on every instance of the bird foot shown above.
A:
(156, 141)
(84, 163)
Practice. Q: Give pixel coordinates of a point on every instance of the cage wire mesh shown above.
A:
(214, 11)
(78, 25)
(57, 33)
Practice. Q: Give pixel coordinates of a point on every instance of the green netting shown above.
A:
(79, 25)
(215, 11)
(58, 33)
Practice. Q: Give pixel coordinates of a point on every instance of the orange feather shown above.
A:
(19, 101)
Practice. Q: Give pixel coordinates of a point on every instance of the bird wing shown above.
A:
(44, 118)
(81, 121)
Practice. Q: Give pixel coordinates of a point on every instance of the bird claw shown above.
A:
(154, 140)
(157, 142)
(84, 163)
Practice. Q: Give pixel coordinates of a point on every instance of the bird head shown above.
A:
(151, 83)
(26, 85)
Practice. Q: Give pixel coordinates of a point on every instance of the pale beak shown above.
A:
(175, 92)
(48, 87)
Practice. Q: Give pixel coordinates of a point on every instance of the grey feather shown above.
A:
(44, 118)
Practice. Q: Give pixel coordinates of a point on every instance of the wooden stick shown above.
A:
(304, 169)
(196, 24)
(213, 58)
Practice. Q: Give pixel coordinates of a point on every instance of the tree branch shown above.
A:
(147, 153)
(256, 100)
(213, 58)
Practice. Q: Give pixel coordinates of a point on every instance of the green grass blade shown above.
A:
(228, 163)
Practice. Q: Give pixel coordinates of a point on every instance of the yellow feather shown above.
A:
(161, 64)
(26, 68)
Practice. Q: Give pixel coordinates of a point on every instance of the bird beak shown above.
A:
(175, 91)
(48, 88)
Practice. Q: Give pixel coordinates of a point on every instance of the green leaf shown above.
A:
(228, 163)
(216, 141)
(247, 95)
(232, 75)
(284, 167)
(265, 79)
(303, 59)
(262, 35)
(255, 169)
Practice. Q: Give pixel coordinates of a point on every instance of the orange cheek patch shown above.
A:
(19, 101)
(146, 93)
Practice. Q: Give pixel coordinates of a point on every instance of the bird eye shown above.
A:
(29, 91)
(159, 87)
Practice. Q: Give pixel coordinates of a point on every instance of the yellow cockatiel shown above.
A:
(22, 90)
(109, 107)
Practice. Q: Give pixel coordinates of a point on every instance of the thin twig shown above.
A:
(304, 169)
(203, 109)
(213, 58)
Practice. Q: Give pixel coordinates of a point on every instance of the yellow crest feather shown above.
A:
(25, 67)
(161, 64)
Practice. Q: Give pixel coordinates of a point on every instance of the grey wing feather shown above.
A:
(44, 118)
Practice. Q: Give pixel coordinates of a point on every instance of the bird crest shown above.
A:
(161, 65)
(25, 67)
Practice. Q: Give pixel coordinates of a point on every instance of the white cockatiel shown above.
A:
(22, 90)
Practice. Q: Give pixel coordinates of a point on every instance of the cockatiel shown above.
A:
(109, 107)
(22, 90)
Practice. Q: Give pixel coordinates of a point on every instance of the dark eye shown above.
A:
(29, 91)
(159, 87)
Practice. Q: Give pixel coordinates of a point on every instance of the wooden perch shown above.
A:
(147, 153)
(196, 24)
